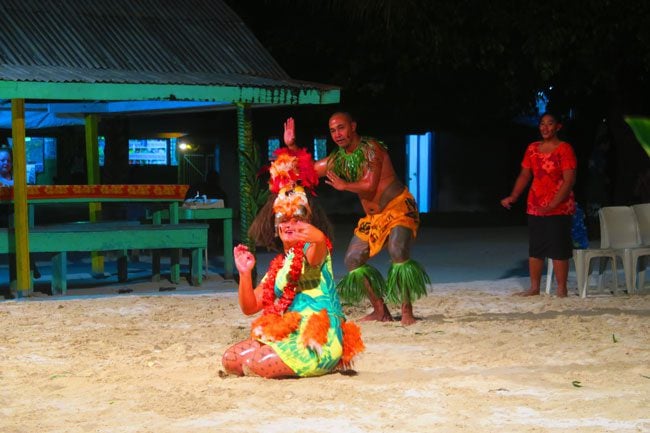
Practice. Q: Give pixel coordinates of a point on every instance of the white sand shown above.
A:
(480, 360)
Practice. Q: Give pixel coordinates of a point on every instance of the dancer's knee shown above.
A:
(237, 356)
(357, 254)
(399, 244)
(232, 363)
(354, 259)
(266, 363)
(399, 252)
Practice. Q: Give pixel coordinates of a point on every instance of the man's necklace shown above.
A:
(350, 166)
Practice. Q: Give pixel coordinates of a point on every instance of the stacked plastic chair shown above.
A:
(640, 264)
(619, 231)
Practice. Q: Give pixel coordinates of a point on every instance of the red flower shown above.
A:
(295, 270)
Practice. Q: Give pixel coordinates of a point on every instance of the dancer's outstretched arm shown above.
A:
(317, 242)
(250, 300)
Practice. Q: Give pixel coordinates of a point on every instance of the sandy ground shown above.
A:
(479, 360)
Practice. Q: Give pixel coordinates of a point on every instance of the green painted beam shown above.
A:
(171, 92)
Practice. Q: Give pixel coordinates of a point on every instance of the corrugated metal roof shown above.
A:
(200, 42)
(78, 75)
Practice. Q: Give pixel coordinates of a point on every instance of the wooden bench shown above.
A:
(156, 195)
(64, 238)
(206, 214)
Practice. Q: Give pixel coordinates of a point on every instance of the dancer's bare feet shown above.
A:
(379, 313)
(407, 314)
(561, 292)
(529, 292)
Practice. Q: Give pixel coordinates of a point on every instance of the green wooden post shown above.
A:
(155, 254)
(227, 248)
(175, 268)
(182, 166)
(245, 142)
(92, 168)
(92, 150)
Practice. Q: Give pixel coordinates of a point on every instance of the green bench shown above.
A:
(64, 238)
(205, 215)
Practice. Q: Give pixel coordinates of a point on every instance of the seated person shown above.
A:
(7, 180)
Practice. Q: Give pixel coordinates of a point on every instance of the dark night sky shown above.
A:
(461, 62)
(471, 67)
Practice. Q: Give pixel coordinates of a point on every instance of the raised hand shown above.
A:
(244, 259)
(306, 232)
(317, 250)
(290, 133)
(335, 181)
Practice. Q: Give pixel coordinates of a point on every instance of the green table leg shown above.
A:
(175, 267)
(155, 254)
(196, 276)
(228, 260)
(60, 273)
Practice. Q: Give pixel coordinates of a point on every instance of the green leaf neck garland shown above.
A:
(351, 166)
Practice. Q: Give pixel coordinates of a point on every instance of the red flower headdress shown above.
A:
(292, 167)
(292, 174)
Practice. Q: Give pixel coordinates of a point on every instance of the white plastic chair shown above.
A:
(549, 275)
(619, 230)
(642, 212)
(582, 259)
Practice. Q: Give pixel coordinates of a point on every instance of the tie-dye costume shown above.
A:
(316, 293)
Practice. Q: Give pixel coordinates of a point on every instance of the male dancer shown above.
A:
(361, 165)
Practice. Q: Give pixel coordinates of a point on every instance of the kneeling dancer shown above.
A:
(302, 330)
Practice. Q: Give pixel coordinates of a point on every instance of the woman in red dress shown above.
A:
(551, 164)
